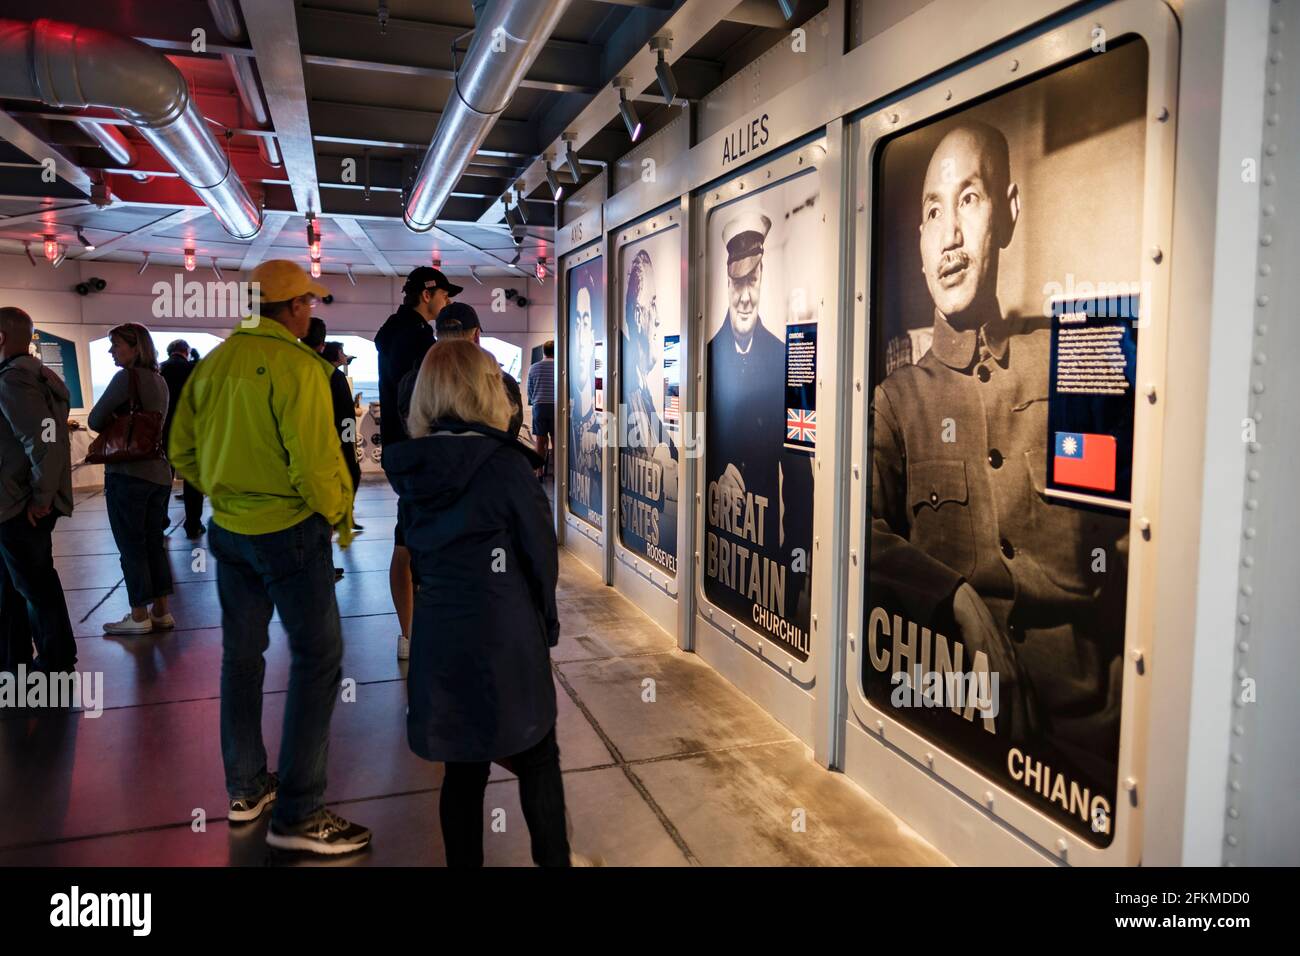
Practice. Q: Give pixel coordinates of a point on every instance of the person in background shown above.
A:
(345, 420)
(315, 337)
(194, 355)
(35, 489)
(401, 342)
(541, 395)
(460, 321)
(254, 431)
(480, 531)
(175, 372)
(137, 491)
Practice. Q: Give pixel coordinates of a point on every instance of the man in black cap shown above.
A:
(460, 321)
(402, 341)
(749, 471)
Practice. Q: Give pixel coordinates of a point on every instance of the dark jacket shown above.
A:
(33, 471)
(344, 412)
(483, 542)
(175, 372)
(402, 341)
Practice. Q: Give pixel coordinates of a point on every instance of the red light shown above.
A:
(315, 268)
(541, 271)
(315, 248)
(51, 248)
(189, 260)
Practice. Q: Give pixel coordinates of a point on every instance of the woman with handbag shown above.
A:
(482, 543)
(137, 478)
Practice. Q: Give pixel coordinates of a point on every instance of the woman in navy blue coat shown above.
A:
(484, 549)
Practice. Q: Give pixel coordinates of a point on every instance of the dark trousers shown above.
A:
(137, 513)
(31, 597)
(541, 793)
(193, 510)
(290, 571)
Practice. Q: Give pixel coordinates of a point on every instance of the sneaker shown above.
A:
(164, 623)
(357, 528)
(403, 647)
(323, 832)
(129, 625)
(247, 809)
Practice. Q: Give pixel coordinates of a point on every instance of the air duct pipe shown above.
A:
(113, 143)
(486, 80)
(65, 65)
(226, 17)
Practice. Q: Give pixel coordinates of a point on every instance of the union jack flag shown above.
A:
(800, 425)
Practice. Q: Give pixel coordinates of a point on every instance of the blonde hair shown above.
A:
(137, 336)
(458, 381)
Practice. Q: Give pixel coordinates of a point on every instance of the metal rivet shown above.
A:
(1162, 114)
(1251, 504)
(1015, 65)
(1234, 813)
(1253, 474)
(1261, 301)
(1255, 447)
(1250, 534)
(988, 799)
(1248, 561)
(1266, 240)
(1136, 655)
(1156, 254)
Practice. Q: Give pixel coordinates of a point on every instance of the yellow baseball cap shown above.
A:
(279, 280)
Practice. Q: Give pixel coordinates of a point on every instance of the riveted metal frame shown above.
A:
(648, 584)
(797, 161)
(575, 533)
(988, 801)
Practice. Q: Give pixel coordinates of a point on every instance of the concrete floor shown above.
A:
(700, 776)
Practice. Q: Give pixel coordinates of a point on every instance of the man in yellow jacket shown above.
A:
(254, 430)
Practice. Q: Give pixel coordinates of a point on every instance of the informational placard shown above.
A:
(801, 386)
(1004, 240)
(764, 260)
(1090, 411)
(673, 382)
(60, 355)
(650, 287)
(586, 406)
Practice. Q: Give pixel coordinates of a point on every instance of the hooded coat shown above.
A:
(483, 545)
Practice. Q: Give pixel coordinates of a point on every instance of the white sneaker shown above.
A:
(129, 625)
(164, 623)
(403, 647)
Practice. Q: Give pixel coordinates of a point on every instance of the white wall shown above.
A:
(47, 295)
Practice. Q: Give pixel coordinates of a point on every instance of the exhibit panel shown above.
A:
(1006, 434)
(763, 280)
(582, 424)
(652, 436)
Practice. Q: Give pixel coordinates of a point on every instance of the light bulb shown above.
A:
(51, 248)
(189, 260)
(315, 268)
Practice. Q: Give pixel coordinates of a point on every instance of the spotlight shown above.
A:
(315, 268)
(216, 268)
(189, 259)
(81, 288)
(351, 277)
(571, 158)
(27, 248)
(628, 111)
(97, 284)
(81, 237)
(327, 299)
(667, 82)
(144, 264)
(313, 237)
(787, 7)
(541, 271)
(51, 248)
(436, 260)
(552, 180)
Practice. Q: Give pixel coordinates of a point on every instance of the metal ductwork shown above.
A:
(226, 17)
(113, 143)
(65, 65)
(485, 82)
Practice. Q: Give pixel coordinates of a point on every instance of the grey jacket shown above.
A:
(35, 454)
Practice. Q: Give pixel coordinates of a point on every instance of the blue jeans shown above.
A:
(290, 571)
(137, 513)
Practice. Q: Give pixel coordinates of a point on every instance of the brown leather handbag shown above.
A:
(133, 435)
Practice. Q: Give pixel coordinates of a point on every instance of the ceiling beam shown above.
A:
(553, 85)
(271, 227)
(20, 136)
(40, 213)
(363, 242)
(273, 27)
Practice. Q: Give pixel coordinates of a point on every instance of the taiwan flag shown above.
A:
(1085, 461)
